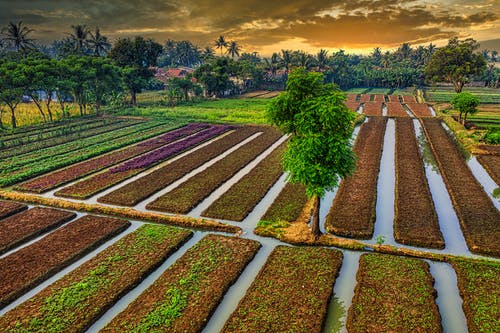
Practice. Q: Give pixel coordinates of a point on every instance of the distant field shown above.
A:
(28, 114)
(445, 94)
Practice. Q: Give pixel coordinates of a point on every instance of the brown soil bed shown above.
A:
(415, 221)
(24, 269)
(365, 98)
(29, 224)
(107, 277)
(393, 98)
(138, 190)
(477, 215)
(408, 99)
(185, 296)
(419, 109)
(353, 105)
(379, 98)
(393, 294)
(492, 165)
(243, 196)
(372, 108)
(353, 211)
(290, 294)
(190, 193)
(490, 149)
(8, 208)
(395, 109)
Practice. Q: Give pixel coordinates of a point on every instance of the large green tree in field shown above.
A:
(465, 103)
(13, 85)
(320, 127)
(456, 63)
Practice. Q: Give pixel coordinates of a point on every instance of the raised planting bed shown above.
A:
(353, 105)
(492, 150)
(77, 300)
(76, 171)
(492, 165)
(138, 190)
(290, 294)
(353, 211)
(8, 208)
(243, 196)
(29, 224)
(393, 294)
(135, 134)
(351, 97)
(372, 108)
(409, 99)
(477, 215)
(24, 269)
(394, 98)
(99, 182)
(190, 193)
(186, 294)
(364, 98)
(415, 219)
(379, 98)
(419, 109)
(478, 283)
(395, 109)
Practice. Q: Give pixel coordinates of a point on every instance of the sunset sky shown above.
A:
(266, 26)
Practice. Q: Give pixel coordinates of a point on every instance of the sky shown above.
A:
(356, 26)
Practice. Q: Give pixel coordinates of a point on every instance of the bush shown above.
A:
(492, 136)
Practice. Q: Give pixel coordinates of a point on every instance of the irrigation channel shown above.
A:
(448, 300)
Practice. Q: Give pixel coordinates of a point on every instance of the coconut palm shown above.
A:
(286, 60)
(17, 36)
(99, 43)
(322, 60)
(273, 64)
(220, 43)
(79, 36)
(207, 53)
(233, 49)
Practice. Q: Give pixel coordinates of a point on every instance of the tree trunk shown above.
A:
(12, 116)
(49, 99)
(39, 106)
(458, 86)
(133, 97)
(315, 222)
(81, 108)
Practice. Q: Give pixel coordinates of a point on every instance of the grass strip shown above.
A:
(76, 301)
(186, 196)
(186, 294)
(8, 208)
(24, 269)
(415, 221)
(74, 172)
(291, 292)
(393, 294)
(29, 224)
(480, 292)
(138, 190)
(99, 182)
(491, 164)
(477, 215)
(395, 109)
(372, 108)
(243, 196)
(419, 109)
(354, 208)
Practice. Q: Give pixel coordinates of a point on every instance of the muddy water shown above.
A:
(448, 298)
(343, 292)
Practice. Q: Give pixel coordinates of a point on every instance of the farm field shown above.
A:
(119, 272)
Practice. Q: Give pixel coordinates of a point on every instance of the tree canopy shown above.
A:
(465, 103)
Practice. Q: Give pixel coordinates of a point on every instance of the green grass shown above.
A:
(357, 90)
(381, 91)
(443, 94)
(229, 110)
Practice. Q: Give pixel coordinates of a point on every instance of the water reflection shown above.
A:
(337, 314)
(426, 152)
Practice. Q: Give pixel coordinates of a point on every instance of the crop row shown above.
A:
(492, 150)
(351, 97)
(99, 182)
(446, 96)
(138, 190)
(408, 99)
(419, 109)
(379, 98)
(68, 149)
(477, 214)
(395, 109)
(75, 301)
(394, 98)
(187, 195)
(372, 108)
(27, 225)
(290, 294)
(365, 98)
(288, 204)
(352, 105)
(134, 135)
(243, 196)
(36, 145)
(415, 221)
(353, 211)
(8, 208)
(492, 165)
(480, 292)
(32, 264)
(393, 294)
(187, 293)
(60, 177)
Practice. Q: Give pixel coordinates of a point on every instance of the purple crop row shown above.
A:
(172, 149)
(174, 135)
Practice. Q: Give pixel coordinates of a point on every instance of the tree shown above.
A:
(16, 35)
(319, 150)
(465, 103)
(215, 76)
(220, 43)
(456, 63)
(13, 84)
(233, 49)
(99, 43)
(322, 60)
(79, 36)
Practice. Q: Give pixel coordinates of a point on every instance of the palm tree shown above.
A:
(272, 64)
(17, 36)
(79, 36)
(286, 60)
(322, 60)
(220, 43)
(207, 53)
(98, 42)
(233, 49)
